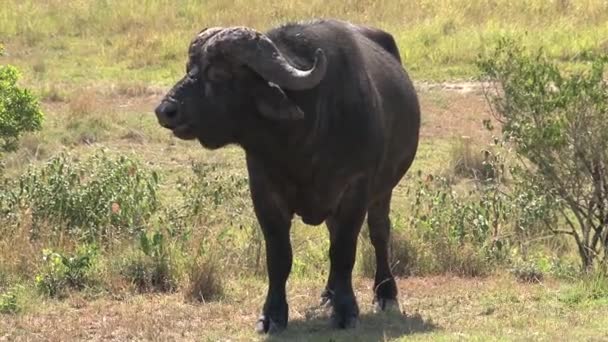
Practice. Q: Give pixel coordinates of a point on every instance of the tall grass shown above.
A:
(113, 40)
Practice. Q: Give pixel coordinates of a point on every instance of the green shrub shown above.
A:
(449, 218)
(61, 273)
(468, 230)
(556, 122)
(214, 208)
(99, 198)
(19, 110)
(213, 195)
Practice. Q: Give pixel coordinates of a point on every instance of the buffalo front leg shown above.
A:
(385, 288)
(344, 227)
(275, 221)
(278, 261)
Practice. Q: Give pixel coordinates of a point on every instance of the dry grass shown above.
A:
(206, 283)
(470, 161)
(437, 308)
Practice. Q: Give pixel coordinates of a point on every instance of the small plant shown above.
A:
(9, 301)
(19, 110)
(61, 273)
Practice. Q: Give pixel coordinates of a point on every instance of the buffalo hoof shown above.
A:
(344, 321)
(345, 314)
(386, 305)
(267, 325)
(327, 299)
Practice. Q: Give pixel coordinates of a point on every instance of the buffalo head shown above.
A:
(231, 73)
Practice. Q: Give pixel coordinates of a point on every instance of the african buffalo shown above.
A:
(329, 121)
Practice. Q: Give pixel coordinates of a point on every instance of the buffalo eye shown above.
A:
(193, 71)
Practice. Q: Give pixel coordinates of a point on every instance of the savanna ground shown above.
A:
(100, 67)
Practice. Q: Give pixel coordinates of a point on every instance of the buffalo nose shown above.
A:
(166, 113)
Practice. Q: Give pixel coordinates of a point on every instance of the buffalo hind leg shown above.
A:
(385, 288)
(344, 227)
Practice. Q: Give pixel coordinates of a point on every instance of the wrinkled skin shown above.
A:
(330, 151)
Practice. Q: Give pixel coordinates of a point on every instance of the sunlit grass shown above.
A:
(110, 41)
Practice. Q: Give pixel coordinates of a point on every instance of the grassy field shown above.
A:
(124, 41)
(100, 67)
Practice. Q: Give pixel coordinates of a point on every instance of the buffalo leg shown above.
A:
(385, 288)
(344, 227)
(275, 221)
(278, 261)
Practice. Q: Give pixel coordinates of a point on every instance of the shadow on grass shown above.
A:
(372, 327)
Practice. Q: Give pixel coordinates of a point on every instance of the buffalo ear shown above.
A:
(273, 103)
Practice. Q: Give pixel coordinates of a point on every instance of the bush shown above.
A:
(61, 273)
(215, 209)
(557, 124)
(446, 218)
(19, 110)
(97, 199)
(468, 229)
